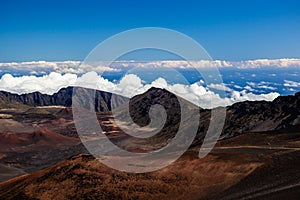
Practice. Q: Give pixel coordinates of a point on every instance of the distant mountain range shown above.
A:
(248, 116)
(61, 98)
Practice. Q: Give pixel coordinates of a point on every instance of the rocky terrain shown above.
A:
(250, 166)
(257, 155)
(61, 98)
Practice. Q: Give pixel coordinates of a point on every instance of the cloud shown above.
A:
(47, 84)
(129, 86)
(44, 67)
(221, 87)
(249, 88)
(266, 87)
(291, 89)
(237, 86)
(77, 67)
(284, 62)
(288, 83)
(260, 85)
(180, 64)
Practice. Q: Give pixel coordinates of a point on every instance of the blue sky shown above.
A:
(69, 30)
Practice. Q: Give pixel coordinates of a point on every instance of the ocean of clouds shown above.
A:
(130, 85)
(76, 67)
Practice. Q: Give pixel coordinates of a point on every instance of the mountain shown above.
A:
(242, 117)
(282, 113)
(63, 98)
(242, 167)
(259, 143)
(41, 137)
(33, 132)
(247, 116)
(257, 116)
(164, 129)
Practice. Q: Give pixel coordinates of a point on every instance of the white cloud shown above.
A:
(266, 87)
(129, 86)
(251, 84)
(76, 67)
(221, 87)
(244, 96)
(249, 88)
(288, 83)
(284, 62)
(42, 67)
(47, 84)
(260, 85)
(237, 86)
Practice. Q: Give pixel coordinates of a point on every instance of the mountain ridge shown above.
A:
(245, 116)
(63, 97)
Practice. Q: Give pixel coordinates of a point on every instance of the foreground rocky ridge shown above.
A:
(243, 167)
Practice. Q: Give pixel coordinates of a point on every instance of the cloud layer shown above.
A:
(44, 67)
(130, 85)
(76, 67)
(289, 83)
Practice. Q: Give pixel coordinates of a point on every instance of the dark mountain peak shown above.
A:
(156, 89)
(173, 106)
(155, 93)
(66, 89)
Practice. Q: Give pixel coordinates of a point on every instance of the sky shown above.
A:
(68, 30)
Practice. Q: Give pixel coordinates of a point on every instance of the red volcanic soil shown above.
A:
(250, 166)
(41, 137)
(83, 177)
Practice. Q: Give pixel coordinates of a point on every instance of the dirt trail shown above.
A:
(262, 193)
(259, 147)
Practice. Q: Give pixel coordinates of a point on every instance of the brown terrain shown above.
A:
(41, 156)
